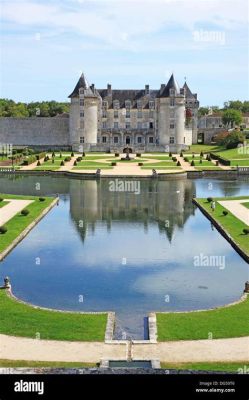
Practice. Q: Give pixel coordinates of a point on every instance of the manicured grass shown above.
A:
(208, 167)
(156, 167)
(235, 367)
(237, 153)
(230, 223)
(225, 322)
(205, 148)
(245, 204)
(18, 319)
(240, 163)
(19, 222)
(43, 364)
(3, 203)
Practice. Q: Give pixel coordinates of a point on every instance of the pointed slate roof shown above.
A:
(189, 94)
(172, 84)
(82, 83)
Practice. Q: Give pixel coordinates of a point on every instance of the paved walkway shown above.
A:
(31, 166)
(68, 165)
(10, 210)
(17, 348)
(237, 209)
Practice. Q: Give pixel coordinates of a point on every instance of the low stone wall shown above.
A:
(33, 132)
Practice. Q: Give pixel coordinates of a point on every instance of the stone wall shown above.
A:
(35, 131)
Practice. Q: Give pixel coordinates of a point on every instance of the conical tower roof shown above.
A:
(82, 83)
(188, 92)
(172, 84)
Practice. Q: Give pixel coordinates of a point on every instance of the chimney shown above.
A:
(109, 89)
(147, 89)
(93, 87)
(162, 87)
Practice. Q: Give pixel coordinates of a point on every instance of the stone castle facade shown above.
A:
(143, 120)
(112, 120)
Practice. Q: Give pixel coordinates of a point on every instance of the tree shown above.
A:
(202, 111)
(233, 139)
(231, 117)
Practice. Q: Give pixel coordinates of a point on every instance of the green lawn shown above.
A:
(237, 153)
(18, 319)
(225, 322)
(245, 204)
(44, 364)
(208, 366)
(233, 226)
(3, 203)
(240, 163)
(205, 148)
(19, 222)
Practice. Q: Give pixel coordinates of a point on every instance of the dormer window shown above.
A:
(171, 92)
(127, 104)
(172, 102)
(116, 104)
(139, 104)
(151, 104)
(105, 104)
(81, 91)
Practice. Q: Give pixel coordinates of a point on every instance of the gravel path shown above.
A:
(10, 210)
(236, 208)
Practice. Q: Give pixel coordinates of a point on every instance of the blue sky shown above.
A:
(45, 45)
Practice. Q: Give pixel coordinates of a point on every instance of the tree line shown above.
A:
(9, 108)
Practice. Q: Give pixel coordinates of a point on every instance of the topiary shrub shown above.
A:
(174, 159)
(209, 199)
(246, 231)
(75, 163)
(186, 159)
(201, 155)
(83, 154)
(62, 163)
(79, 159)
(42, 198)
(224, 212)
(3, 229)
(66, 159)
(116, 154)
(60, 155)
(53, 160)
(170, 154)
(140, 164)
(114, 163)
(200, 161)
(72, 154)
(1, 199)
(25, 212)
(53, 154)
(38, 163)
(178, 163)
(181, 154)
(192, 163)
(138, 155)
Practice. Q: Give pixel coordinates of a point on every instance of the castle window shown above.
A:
(127, 104)
(116, 104)
(104, 125)
(115, 125)
(139, 104)
(172, 125)
(104, 113)
(105, 104)
(115, 139)
(127, 125)
(81, 102)
(104, 139)
(81, 91)
(139, 125)
(82, 114)
(139, 114)
(151, 125)
(151, 114)
(171, 140)
(151, 139)
(151, 104)
(172, 102)
(139, 139)
(171, 92)
(82, 140)
(128, 114)
(115, 113)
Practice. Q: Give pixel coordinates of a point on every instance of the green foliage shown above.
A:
(9, 108)
(237, 105)
(3, 229)
(233, 139)
(231, 117)
(25, 212)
